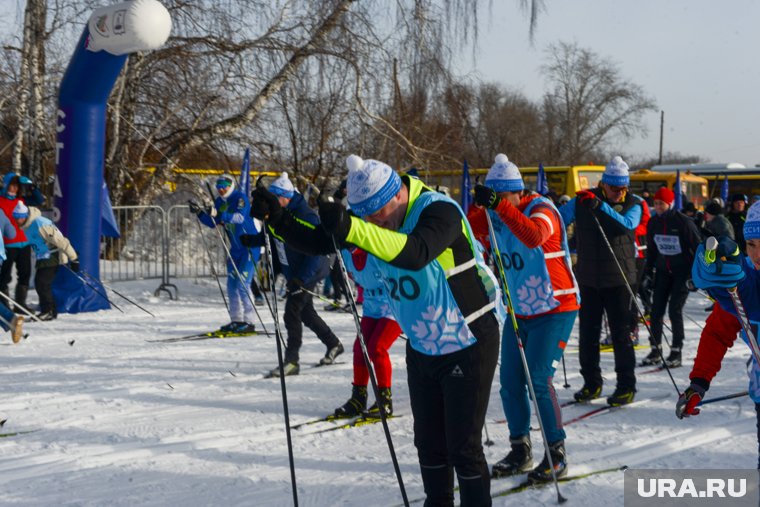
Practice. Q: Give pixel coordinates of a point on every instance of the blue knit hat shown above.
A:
(282, 186)
(752, 224)
(504, 176)
(616, 173)
(371, 184)
(20, 211)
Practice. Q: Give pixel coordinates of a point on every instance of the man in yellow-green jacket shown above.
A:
(443, 297)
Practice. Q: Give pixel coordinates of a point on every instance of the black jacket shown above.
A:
(672, 240)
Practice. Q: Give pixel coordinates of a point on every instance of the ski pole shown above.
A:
(508, 301)
(722, 398)
(90, 277)
(710, 256)
(564, 372)
(20, 307)
(633, 296)
(213, 269)
(93, 287)
(371, 370)
(280, 363)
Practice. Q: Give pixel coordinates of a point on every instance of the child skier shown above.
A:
(723, 325)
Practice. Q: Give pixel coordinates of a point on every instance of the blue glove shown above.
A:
(726, 271)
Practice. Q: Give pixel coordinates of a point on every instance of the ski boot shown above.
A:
(46, 316)
(288, 368)
(543, 472)
(518, 461)
(243, 327)
(621, 396)
(258, 301)
(654, 357)
(331, 354)
(229, 327)
(588, 393)
(383, 401)
(16, 332)
(674, 358)
(355, 406)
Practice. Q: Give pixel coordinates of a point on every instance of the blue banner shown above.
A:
(678, 201)
(466, 188)
(108, 225)
(542, 186)
(724, 189)
(245, 174)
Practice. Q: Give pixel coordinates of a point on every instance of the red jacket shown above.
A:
(7, 205)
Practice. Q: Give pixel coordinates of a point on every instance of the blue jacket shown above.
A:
(307, 268)
(234, 213)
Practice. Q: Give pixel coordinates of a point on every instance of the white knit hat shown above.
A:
(504, 176)
(282, 186)
(616, 173)
(371, 184)
(20, 211)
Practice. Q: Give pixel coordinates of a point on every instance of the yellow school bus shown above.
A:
(694, 187)
(565, 180)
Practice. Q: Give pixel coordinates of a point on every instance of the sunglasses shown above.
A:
(617, 189)
(222, 183)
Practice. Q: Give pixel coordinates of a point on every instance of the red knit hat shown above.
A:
(665, 195)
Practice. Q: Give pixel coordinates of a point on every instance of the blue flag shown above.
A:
(724, 189)
(466, 188)
(108, 225)
(678, 201)
(542, 186)
(245, 174)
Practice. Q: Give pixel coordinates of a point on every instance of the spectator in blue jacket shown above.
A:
(302, 273)
(231, 210)
(8, 320)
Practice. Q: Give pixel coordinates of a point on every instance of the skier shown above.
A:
(722, 325)
(672, 239)
(8, 320)
(51, 249)
(602, 283)
(715, 223)
(18, 251)
(533, 244)
(379, 330)
(231, 210)
(302, 273)
(443, 297)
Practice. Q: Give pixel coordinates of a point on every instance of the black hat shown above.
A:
(714, 208)
(739, 197)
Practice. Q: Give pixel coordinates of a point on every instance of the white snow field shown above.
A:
(116, 420)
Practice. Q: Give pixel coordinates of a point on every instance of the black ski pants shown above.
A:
(22, 258)
(669, 286)
(43, 284)
(449, 397)
(616, 301)
(299, 312)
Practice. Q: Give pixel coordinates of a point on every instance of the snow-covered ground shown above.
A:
(117, 420)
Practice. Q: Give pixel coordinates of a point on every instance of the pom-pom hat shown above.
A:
(504, 176)
(282, 186)
(20, 211)
(616, 173)
(371, 184)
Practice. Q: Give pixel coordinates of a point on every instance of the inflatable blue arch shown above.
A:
(111, 34)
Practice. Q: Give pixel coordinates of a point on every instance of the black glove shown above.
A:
(74, 265)
(195, 208)
(588, 199)
(264, 204)
(294, 286)
(647, 280)
(335, 219)
(250, 240)
(486, 197)
(688, 401)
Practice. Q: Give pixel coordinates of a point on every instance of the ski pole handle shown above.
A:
(711, 247)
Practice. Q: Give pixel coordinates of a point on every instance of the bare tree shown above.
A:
(590, 104)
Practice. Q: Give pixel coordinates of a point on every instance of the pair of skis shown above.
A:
(343, 423)
(207, 336)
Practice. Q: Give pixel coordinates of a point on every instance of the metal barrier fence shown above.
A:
(161, 244)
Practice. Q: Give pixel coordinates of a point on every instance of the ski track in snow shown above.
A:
(125, 422)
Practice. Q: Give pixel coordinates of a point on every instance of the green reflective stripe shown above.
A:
(274, 233)
(383, 243)
(306, 224)
(446, 260)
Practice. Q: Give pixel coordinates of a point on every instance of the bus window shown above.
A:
(589, 179)
(557, 181)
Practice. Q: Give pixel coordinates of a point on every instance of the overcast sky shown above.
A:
(697, 58)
